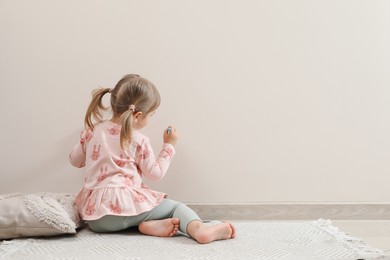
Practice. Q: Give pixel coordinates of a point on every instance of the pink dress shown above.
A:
(113, 183)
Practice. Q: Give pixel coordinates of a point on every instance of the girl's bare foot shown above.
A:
(206, 234)
(160, 228)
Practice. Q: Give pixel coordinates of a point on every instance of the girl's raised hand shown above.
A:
(170, 135)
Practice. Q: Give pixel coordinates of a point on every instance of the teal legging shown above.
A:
(167, 209)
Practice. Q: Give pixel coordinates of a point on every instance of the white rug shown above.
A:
(255, 240)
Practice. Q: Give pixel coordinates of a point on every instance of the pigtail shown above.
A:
(96, 107)
(126, 130)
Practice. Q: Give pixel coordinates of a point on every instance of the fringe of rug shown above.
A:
(357, 245)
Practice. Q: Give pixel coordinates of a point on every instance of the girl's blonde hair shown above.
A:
(132, 89)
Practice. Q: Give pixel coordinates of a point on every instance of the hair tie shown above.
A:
(110, 90)
(132, 107)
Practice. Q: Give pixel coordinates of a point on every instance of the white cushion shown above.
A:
(37, 214)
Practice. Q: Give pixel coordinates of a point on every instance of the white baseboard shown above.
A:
(293, 211)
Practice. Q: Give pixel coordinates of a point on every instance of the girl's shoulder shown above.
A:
(138, 141)
(106, 127)
(139, 138)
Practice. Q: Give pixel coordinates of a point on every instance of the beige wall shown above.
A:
(275, 101)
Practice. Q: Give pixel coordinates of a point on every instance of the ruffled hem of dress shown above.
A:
(118, 201)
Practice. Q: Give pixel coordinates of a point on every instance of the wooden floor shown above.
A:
(293, 211)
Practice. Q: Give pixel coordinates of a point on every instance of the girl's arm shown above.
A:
(77, 156)
(151, 167)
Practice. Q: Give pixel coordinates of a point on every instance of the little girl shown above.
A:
(116, 157)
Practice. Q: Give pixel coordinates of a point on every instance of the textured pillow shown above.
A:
(67, 201)
(37, 214)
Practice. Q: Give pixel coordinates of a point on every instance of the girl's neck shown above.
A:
(115, 120)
